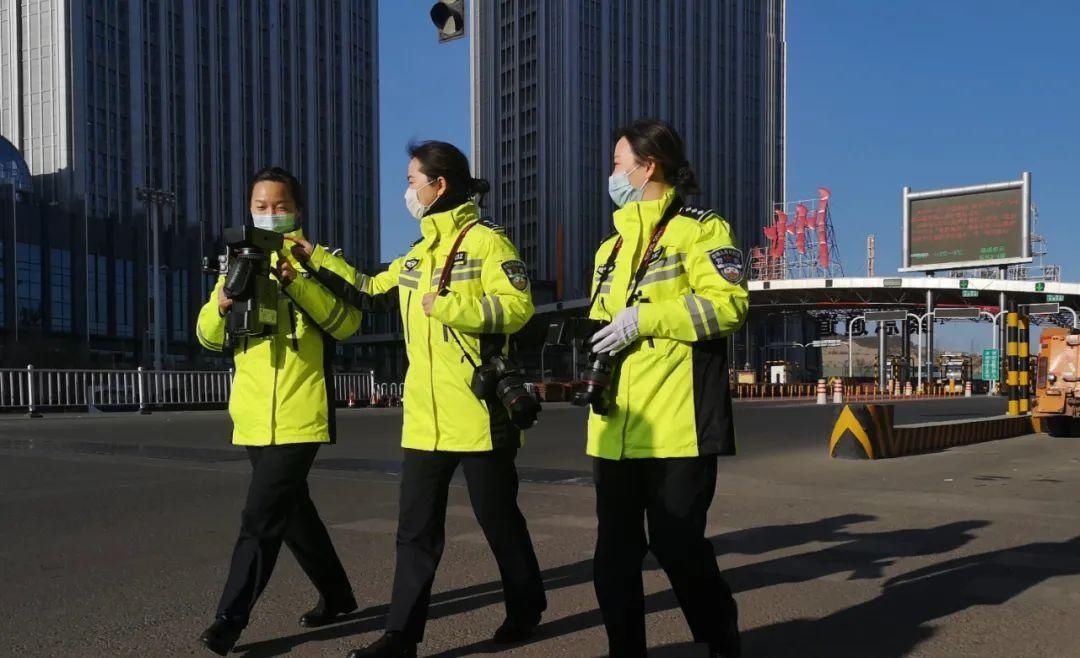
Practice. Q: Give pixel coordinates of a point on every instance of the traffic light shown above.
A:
(449, 18)
(912, 327)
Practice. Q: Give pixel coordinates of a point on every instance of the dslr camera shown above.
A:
(246, 268)
(599, 369)
(500, 379)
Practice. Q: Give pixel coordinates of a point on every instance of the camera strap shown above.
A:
(444, 282)
(444, 278)
(673, 209)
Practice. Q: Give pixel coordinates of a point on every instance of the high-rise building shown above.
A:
(555, 78)
(103, 97)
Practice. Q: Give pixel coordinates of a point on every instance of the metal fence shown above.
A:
(35, 390)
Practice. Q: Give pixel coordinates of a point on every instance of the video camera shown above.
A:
(599, 369)
(246, 268)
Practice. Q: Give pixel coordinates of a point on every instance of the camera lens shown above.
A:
(522, 406)
(595, 380)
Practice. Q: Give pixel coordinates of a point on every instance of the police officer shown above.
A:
(669, 283)
(463, 290)
(282, 411)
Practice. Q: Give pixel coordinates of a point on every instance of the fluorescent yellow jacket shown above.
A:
(671, 395)
(283, 390)
(488, 300)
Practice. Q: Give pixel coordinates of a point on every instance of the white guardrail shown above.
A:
(35, 389)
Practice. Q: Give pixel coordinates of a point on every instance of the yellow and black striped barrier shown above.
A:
(866, 431)
(1024, 395)
(1012, 377)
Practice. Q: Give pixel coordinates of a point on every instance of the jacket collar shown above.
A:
(637, 219)
(440, 226)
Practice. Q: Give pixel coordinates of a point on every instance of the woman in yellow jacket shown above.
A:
(282, 408)
(669, 287)
(463, 290)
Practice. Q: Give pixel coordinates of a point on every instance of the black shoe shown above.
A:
(327, 611)
(390, 645)
(221, 636)
(513, 631)
(729, 647)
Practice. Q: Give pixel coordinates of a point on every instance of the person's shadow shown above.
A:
(443, 604)
(886, 627)
(861, 554)
(893, 624)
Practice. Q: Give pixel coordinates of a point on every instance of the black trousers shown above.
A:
(279, 509)
(493, 487)
(674, 495)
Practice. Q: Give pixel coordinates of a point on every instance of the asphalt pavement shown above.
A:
(115, 533)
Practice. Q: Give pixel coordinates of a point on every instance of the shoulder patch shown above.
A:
(728, 262)
(698, 213)
(487, 222)
(411, 263)
(517, 274)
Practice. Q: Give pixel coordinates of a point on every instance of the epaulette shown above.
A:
(337, 252)
(613, 234)
(417, 242)
(700, 214)
(487, 222)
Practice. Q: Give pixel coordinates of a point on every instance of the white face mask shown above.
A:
(412, 201)
(280, 223)
(622, 191)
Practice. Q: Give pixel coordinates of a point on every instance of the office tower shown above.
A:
(554, 79)
(189, 97)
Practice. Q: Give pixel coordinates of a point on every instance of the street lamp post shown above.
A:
(155, 199)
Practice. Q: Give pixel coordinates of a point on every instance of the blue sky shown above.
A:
(881, 94)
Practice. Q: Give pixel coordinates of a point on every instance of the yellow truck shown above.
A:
(1057, 381)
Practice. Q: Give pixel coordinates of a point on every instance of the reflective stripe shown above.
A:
(469, 264)
(361, 281)
(695, 316)
(458, 275)
(207, 343)
(710, 316)
(485, 306)
(336, 317)
(664, 275)
(413, 274)
(605, 289)
(409, 283)
(497, 303)
(667, 261)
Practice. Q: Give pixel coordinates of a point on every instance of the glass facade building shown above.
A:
(555, 78)
(102, 97)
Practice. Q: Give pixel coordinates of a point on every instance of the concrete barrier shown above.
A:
(866, 431)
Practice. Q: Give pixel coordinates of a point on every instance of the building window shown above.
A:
(3, 281)
(60, 297)
(179, 305)
(97, 292)
(28, 266)
(125, 298)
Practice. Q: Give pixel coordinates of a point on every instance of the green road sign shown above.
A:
(990, 365)
(1055, 298)
(969, 293)
(1040, 286)
(963, 284)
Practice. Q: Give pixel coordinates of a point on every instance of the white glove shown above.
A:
(618, 335)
